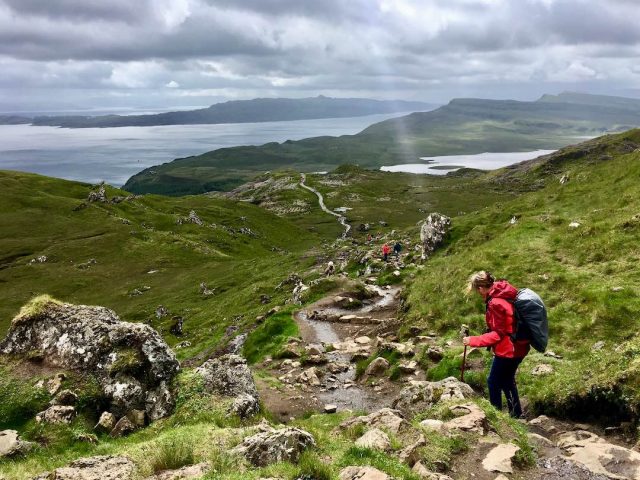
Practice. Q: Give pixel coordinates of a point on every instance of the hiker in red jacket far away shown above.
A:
(386, 250)
(499, 296)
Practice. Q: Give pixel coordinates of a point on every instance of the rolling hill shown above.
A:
(464, 126)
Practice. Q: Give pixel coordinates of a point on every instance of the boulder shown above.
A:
(137, 418)
(499, 458)
(377, 367)
(419, 396)
(432, 424)
(105, 467)
(269, 447)
(57, 414)
(11, 444)
(309, 377)
(106, 422)
(123, 427)
(408, 367)
(385, 419)
(65, 397)
(54, 384)
(330, 408)
(245, 406)
(185, 473)
(362, 473)
(432, 232)
(314, 349)
(375, 439)
(131, 362)
(471, 419)
(435, 353)
(230, 375)
(411, 453)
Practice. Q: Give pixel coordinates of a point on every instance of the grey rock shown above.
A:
(65, 397)
(283, 445)
(377, 367)
(375, 439)
(245, 406)
(385, 419)
(57, 414)
(11, 444)
(419, 396)
(123, 428)
(185, 473)
(432, 232)
(137, 418)
(362, 473)
(132, 363)
(105, 467)
(106, 422)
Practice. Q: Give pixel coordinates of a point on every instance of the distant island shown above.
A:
(463, 126)
(236, 111)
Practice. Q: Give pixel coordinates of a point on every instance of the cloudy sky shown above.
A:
(65, 54)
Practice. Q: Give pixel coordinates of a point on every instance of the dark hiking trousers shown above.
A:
(502, 378)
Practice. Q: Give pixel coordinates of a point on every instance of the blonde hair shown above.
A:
(480, 279)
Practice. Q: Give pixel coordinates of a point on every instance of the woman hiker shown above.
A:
(507, 353)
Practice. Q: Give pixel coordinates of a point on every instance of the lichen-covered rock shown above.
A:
(11, 444)
(385, 419)
(230, 375)
(377, 367)
(419, 396)
(123, 428)
(57, 414)
(432, 232)
(106, 422)
(132, 363)
(65, 397)
(104, 467)
(275, 446)
(375, 439)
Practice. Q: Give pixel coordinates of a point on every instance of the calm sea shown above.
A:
(115, 154)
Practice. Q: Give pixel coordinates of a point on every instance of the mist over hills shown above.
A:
(463, 126)
(235, 111)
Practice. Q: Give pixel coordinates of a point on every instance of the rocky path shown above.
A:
(341, 219)
(321, 371)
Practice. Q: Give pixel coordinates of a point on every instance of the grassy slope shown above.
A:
(38, 219)
(588, 276)
(463, 126)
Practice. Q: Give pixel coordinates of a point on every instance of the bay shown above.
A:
(115, 154)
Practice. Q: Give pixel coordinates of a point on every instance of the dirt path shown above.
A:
(341, 219)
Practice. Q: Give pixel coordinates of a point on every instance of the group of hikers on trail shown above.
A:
(386, 251)
(516, 320)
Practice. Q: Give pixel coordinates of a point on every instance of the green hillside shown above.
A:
(587, 274)
(464, 126)
(133, 256)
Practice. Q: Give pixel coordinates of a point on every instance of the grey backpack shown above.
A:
(531, 319)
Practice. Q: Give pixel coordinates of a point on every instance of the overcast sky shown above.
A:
(164, 53)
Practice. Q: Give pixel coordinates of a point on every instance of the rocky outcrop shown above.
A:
(419, 396)
(11, 444)
(105, 467)
(230, 375)
(384, 419)
(57, 414)
(132, 363)
(432, 232)
(275, 446)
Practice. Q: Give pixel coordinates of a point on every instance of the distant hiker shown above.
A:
(397, 248)
(507, 352)
(330, 269)
(386, 250)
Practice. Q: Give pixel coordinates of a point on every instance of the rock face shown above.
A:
(11, 444)
(421, 395)
(94, 468)
(274, 446)
(230, 375)
(131, 361)
(432, 232)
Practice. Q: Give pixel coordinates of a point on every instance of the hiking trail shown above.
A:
(341, 219)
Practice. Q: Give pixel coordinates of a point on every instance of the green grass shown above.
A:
(269, 337)
(576, 271)
(171, 454)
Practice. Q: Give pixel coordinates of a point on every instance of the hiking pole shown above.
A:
(465, 333)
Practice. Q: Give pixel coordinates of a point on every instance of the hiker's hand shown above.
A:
(465, 341)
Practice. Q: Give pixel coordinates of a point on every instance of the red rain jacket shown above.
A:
(386, 249)
(500, 323)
